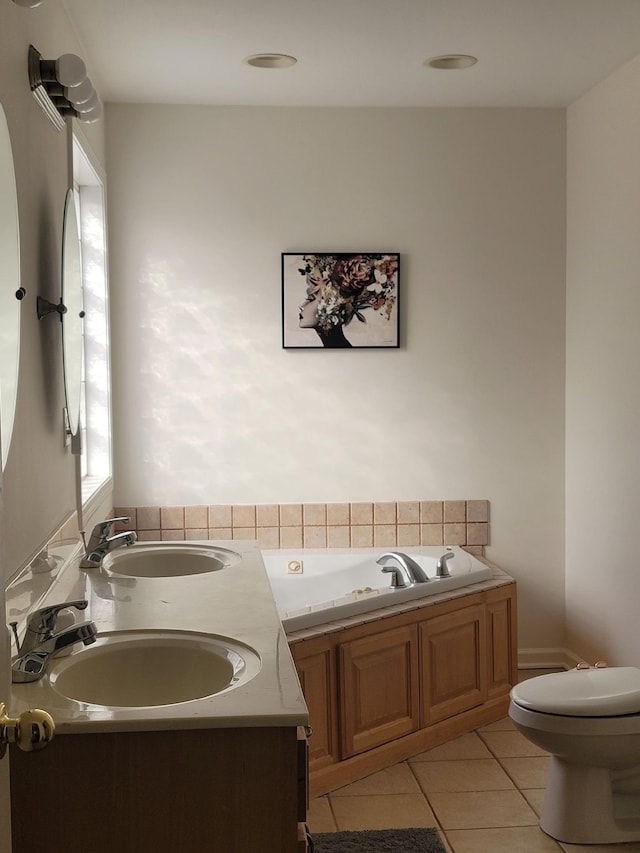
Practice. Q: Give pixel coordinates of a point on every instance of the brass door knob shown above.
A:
(32, 730)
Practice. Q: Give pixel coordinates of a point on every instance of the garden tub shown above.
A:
(316, 585)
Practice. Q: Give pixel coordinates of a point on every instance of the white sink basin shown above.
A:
(150, 668)
(160, 560)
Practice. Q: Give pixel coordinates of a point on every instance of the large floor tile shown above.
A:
(392, 780)
(527, 772)
(535, 798)
(382, 811)
(510, 744)
(479, 774)
(631, 847)
(320, 817)
(505, 724)
(482, 809)
(465, 746)
(521, 839)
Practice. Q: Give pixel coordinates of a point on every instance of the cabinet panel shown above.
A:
(501, 633)
(379, 693)
(315, 664)
(453, 660)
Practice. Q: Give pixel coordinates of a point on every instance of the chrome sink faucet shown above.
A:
(101, 541)
(41, 640)
(414, 572)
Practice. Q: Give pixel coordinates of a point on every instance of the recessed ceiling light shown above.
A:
(450, 61)
(271, 60)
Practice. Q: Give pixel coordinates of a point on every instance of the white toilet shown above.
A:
(588, 719)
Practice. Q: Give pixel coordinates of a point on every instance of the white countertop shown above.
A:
(235, 602)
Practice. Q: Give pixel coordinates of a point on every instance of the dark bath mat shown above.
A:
(418, 840)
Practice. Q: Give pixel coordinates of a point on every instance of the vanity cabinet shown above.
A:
(208, 790)
(400, 684)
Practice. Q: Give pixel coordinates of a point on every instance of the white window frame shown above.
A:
(95, 445)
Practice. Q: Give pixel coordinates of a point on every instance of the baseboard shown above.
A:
(553, 658)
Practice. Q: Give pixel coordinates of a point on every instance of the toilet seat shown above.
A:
(607, 692)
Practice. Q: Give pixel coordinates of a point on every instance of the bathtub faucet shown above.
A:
(414, 572)
(442, 570)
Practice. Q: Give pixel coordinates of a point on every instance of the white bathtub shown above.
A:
(316, 585)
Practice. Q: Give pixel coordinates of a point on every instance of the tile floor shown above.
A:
(483, 791)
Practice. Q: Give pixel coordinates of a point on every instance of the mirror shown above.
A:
(10, 291)
(71, 297)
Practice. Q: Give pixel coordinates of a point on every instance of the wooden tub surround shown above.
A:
(392, 683)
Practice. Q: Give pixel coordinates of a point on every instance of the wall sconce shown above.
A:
(62, 88)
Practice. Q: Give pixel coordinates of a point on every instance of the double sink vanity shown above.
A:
(179, 725)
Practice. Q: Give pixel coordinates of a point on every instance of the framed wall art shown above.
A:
(340, 300)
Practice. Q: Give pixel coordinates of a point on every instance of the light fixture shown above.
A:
(271, 60)
(451, 61)
(28, 4)
(62, 88)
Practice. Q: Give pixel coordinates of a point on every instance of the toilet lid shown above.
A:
(606, 692)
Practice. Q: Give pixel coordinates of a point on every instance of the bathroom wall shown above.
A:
(603, 369)
(39, 480)
(210, 410)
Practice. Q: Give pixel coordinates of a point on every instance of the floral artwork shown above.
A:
(340, 300)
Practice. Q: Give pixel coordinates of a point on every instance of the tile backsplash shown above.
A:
(388, 524)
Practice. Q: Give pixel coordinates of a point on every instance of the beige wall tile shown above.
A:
(477, 511)
(244, 533)
(149, 535)
(476, 550)
(431, 534)
(361, 513)
(172, 518)
(384, 513)
(455, 512)
(315, 537)
(338, 514)
(409, 512)
(477, 534)
(196, 517)
(268, 537)
(409, 534)
(220, 515)
(267, 515)
(220, 533)
(130, 512)
(196, 533)
(338, 537)
(361, 535)
(290, 515)
(243, 515)
(314, 515)
(291, 537)
(431, 512)
(148, 518)
(455, 534)
(384, 535)
(172, 535)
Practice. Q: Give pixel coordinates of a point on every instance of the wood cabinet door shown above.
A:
(315, 664)
(453, 663)
(502, 640)
(379, 693)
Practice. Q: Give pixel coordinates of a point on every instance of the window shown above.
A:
(95, 407)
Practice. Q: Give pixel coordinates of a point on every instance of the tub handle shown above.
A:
(397, 578)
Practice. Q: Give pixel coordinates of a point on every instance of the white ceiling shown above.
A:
(533, 53)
